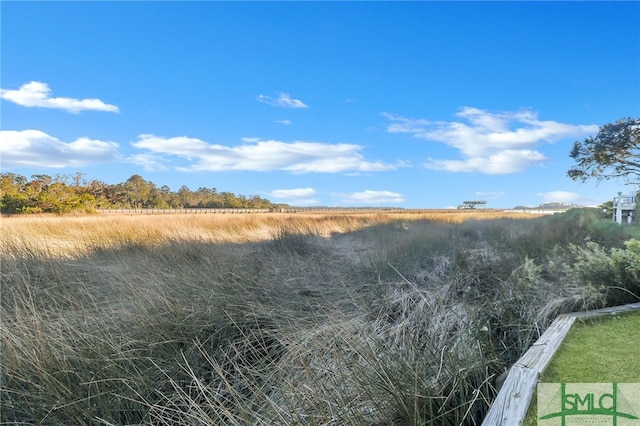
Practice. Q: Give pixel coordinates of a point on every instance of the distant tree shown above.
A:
(11, 180)
(12, 193)
(171, 198)
(215, 201)
(101, 192)
(230, 200)
(77, 180)
(33, 192)
(255, 202)
(157, 198)
(613, 153)
(137, 192)
(201, 197)
(40, 181)
(60, 198)
(241, 202)
(185, 196)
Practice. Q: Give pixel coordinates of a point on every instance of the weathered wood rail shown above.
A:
(204, 210)
(512, 403)
(243, 210)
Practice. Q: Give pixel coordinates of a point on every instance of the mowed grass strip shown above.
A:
(596, 350)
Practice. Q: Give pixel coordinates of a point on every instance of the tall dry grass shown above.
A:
(373, 319)
(70, 235)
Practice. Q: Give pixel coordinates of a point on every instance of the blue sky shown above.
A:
(407, 104)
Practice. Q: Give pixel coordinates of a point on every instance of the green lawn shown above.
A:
(599, 350)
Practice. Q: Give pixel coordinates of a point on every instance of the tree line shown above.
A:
(68, 193)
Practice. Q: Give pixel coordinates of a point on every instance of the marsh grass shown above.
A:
(264, 319)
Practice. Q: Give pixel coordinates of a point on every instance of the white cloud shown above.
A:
(261, 155)
(293, 193)
(29, 148)
(372, 198)
(567, 197)
(302, 202)
(492, 143)
(284, 122)
(149, 162)
(502, 162)
(296, 196)
(37, 94)
(560, 197)
(283, 100)
(250, 140)
(406, 125)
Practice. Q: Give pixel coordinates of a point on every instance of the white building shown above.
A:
(624, 208)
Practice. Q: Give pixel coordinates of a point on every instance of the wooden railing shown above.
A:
(275, 210)
(316, 210)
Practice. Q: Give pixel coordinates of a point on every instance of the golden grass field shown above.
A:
(74, 234)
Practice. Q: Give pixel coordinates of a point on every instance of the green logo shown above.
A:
(566, 404)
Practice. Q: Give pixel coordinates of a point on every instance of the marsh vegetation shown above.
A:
(370, 319)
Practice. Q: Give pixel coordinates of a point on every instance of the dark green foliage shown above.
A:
(614, 271)
(576, 226)
(613, 153)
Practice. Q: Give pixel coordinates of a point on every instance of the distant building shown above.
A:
(470, 205)
(624, 208)
(547, 208)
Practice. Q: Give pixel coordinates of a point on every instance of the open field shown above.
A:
(363, 319)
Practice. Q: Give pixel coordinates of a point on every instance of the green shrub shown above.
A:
(616, 272)
(633, 245)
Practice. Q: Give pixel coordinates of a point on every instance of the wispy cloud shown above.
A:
(568, 197)
(33, 148)
(371, 198)
(296, 196)
(490, 194)
(37, 94)
(502, 162)
(559, 197)
(491, 143)
(149, 162)
(284, 122)
(401, 124)
(293, 193)
(283, 100)
(263, 155)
